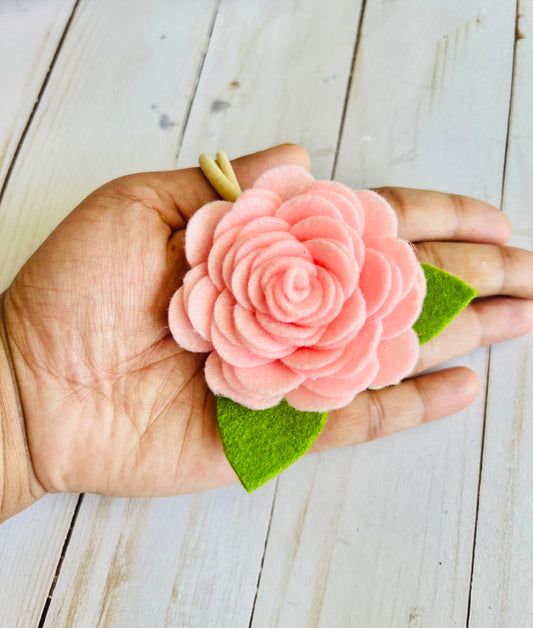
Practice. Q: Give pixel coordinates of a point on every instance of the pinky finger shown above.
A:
(377, 413)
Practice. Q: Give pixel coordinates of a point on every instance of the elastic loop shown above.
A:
(220, 175)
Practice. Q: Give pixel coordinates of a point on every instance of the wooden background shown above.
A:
(428, 528)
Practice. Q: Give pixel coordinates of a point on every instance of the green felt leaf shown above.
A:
(446, 296)
(259, 444)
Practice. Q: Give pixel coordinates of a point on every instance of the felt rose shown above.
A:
(300, 290)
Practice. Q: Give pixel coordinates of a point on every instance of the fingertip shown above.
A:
(505, 229)
(448, 391)
(250, 167)
(297, 155)
(469, 383)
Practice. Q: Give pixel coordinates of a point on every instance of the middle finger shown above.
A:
(491, 270)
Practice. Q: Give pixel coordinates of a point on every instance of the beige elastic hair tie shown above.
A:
(220, 175)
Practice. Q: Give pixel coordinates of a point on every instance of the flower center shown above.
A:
(296, 284)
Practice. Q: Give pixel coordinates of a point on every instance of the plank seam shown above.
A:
(37, 101)
(264, 554)
(348, 87)
(480, 475)
(197, 81)
(502, 195)
(60, 562)
(511, 100)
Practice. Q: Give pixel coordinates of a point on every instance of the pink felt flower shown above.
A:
(300, 289)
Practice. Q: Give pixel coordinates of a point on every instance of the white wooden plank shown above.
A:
(276, 72)
(430, 97)
(215, 587)
(30, 31)
(30, 547)
(101, 115)
(502, 588)
(116, 103)
(382, 535)
(141, 563)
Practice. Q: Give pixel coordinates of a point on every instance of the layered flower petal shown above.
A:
(300, 289)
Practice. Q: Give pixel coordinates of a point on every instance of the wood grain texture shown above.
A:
(116, 103)
(30, 548)
(502, 589)
(377, 536)
(203, 570)
(382, 535)
(186, 561)
(280, 77)
(430, 96)
(30, 33)
(102, 114)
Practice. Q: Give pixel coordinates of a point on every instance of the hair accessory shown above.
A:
(303, 295)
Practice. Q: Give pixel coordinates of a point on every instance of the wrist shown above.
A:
(19, 487)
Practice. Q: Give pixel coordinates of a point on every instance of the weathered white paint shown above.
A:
(502, 589)
(375, 536)
(101, 115)
(382, 535)
(30, 31)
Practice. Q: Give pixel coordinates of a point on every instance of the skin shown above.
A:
(113, 405)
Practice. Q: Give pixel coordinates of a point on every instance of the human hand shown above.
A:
(114, 406)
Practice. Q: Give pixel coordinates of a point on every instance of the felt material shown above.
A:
(304, 280)
(200, 231)
(380, 218)
(261, 444)
(397, 358)
(181, 327)
(446, 296)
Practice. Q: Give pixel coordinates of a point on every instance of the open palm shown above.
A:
(114, 406)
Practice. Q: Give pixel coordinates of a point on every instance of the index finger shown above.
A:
(426, 215)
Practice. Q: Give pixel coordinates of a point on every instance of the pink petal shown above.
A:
(180, 326)
(335, 386)
(397, 358)
(289, 333)
(302, 398)
(251, 204)
(242, 247)
(403, 256)
(283, 248)
(219, 385)
(335, 259)
(274, 260)
(321, 227)
(192, 277)
(225, 338)
(331, 303)
(232, 353)
(395, 291)
(380, 218)
(218, 254)
(200, 230)
(281, 308)
(344, 199)
(405, 313)
(255, 338)
(268, 380)
(301, 207)
(375, 280)
(285, 181)
(355, 355)
(200, 306)
(309, 358)
(350, 319)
